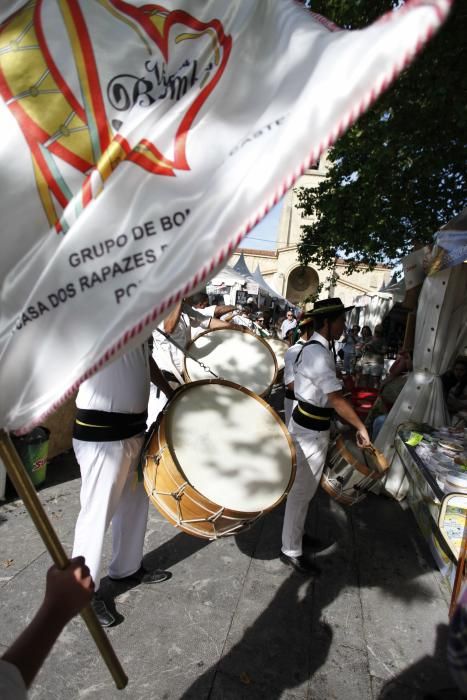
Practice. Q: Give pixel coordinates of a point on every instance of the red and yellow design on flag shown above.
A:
(139, 143)
(60, 125)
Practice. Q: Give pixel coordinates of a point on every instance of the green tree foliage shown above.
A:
(400, 172)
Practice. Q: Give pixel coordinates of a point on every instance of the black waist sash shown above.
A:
(312, 417)
(289, 394)
(102, 426)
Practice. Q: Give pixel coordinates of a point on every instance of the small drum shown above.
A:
(350, 472)
(279, 348)
(219, 458)
(234, 354)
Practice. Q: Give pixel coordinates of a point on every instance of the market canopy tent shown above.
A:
(241, 266)
(371, 309)
(259, 279)
(440, 334)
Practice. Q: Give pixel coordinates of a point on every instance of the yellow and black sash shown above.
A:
(312, 417)
(103, 426)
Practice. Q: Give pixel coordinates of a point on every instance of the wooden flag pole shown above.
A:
(27, 492)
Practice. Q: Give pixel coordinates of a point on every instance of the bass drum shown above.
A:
(219, 458)
(350, 472)
(233, 354)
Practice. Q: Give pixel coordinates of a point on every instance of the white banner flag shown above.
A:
(139, 143)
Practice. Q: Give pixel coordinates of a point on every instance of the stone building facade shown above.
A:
(281, 269)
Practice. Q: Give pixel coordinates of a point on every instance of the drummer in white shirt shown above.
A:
(107, 439)
(318, 393)
(306, 331)
(179, 324)
(200, 302)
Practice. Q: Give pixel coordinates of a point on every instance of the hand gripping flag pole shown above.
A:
(27, 492)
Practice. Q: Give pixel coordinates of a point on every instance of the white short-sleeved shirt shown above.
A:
(315, 373)
(209, 312)
(12, 686)
(121, 387)
(165, 354)
(289, 359)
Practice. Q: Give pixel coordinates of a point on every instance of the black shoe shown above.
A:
(103, 614)
(300, 564)
(144, 576)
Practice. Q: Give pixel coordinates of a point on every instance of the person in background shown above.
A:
(457, 395)
(200, 302)
(67, 592)
(242, 317)
(288, 324)
(372, 362)
(455, 375)
(389, 390)
(366, 337)
(260, 326)
(349, 347)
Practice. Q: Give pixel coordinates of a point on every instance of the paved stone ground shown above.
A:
(233, 622)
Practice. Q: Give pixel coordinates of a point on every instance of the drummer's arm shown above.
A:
(344, 409)
(171, 320)
(217, 323)
(159, 380)
(221, 310)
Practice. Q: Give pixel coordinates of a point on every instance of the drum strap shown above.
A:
(309, 342)
(103, 426)
(312, 417)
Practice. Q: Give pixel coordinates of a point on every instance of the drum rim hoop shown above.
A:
(352, 460)
(241, 329)
(163, 442)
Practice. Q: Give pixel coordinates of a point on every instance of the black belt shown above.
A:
(312, 417)
(102, 426)
(289, 394)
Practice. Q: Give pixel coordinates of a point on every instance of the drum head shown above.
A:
(235, 355)
(230, 446)
(279, 347)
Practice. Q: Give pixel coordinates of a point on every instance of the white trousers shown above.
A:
(312, 447)
(289, 405)
(111, 493)
(157, 401)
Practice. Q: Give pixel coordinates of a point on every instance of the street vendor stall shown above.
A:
(435, 464)
(440, 335)
(428, 455)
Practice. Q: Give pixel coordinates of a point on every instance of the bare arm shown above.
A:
(221, 310)
(345, 410)
(171, 320)
(217, 323)
(159, 380)
(67, 592)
